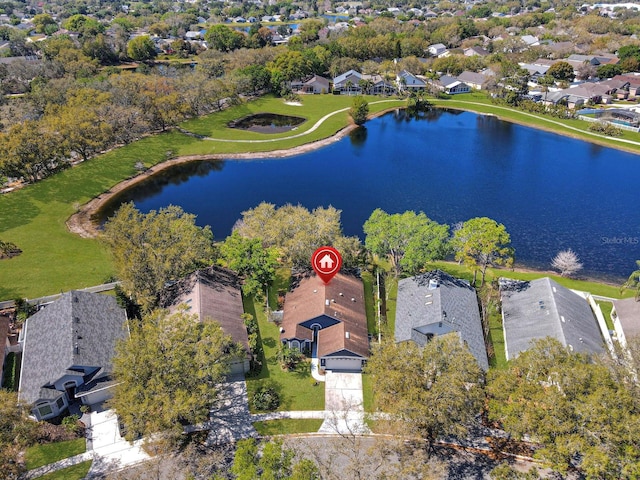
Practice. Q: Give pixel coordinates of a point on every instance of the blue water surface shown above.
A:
(551, 192)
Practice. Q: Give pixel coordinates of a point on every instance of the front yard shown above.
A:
(297, 389)
(40, 455)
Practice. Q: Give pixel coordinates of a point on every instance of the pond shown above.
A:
(551, 192)
(267, 123)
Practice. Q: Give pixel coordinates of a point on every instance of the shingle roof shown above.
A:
(628, 311)
(541, 308)
(78, 330)
(308, 300)
(452, 306)
(213, 294)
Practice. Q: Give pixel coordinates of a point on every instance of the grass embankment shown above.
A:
(40, 455)
(479, 102)
(75, 472)
(296, 388)
(288, 426)
(33, 218)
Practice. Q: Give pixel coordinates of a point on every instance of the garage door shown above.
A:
(97, 397)
(343, 364)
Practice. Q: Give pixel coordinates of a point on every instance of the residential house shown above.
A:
(214, 294)
(451, 85)
(626, 319)
(473, 79)
(328, 320)
(407, 81)
(316, 84)
(530, 40)
(67, 352)
(475, 51)
(348, 82)
(631, 84)
(544, 308)
(435, 303)
(437, 49)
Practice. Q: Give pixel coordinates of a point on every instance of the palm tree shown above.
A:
(634, 281)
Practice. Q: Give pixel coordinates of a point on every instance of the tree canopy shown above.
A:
(150, 250)
(409, 239)
(582, 415)
(430, 392)
(359, 110)
(168, 372)
(482, 242)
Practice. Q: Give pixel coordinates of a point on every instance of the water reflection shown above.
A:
(358, 136)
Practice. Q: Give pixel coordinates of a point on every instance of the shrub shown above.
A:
(71, 423)
(266, 398)
(605, 128)
(289, 357)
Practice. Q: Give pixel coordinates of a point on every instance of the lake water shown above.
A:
(551, 192)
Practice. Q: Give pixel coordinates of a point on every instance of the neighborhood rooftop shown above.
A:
(540, 308)
(435, 303)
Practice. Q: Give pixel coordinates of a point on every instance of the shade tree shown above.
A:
(567, 262)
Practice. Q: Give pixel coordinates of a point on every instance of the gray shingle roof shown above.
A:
(451, 307)
(542, 308)
(78, 330)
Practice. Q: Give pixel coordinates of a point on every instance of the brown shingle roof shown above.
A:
(345, 295)
(212, 294)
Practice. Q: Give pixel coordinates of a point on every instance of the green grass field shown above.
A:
(75, 472)
(288, 426)
(40, 455)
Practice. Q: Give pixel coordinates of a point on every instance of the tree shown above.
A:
(249, 258)
(608, 70)
(141, 48)
(410, 240)
(152, 249)
(359, 110)
(295, 231)
(16, 432)
(633, 282)
(567, 262)
(44, 22)
(224, 39)
(562, 71)
(482, 242)
(431, 392)
(168, 371)
(571, 405)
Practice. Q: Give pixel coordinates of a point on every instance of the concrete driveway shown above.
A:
(343, 404)
(111, 451)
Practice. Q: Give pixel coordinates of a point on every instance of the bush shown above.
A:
(266, 398)
(289, 357)
(11, 372)
(70, 423)
(605, 128)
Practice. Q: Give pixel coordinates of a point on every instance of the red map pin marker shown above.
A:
(326, 261)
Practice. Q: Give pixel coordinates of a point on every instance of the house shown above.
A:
(473, 79)
(530, 40)
(451, 85)
(543, 308)
(435, 303)
(475, 51)
(626, 319)
(329, 321)
(407, 81)
(316, 85)
(213, 294)
(437, 49)
(348, 82)
(67, 352)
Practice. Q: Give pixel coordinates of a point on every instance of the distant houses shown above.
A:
(544, 308)
(435, 304)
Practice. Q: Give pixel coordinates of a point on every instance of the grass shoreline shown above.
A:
(37, 217)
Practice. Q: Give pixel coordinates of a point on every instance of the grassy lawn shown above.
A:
(288, 426)
(369, 302)
(40, 455)
(391, 285)
(606, 308)
(367, 392)
(498, 356)
(296, 388)
(75, 472)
